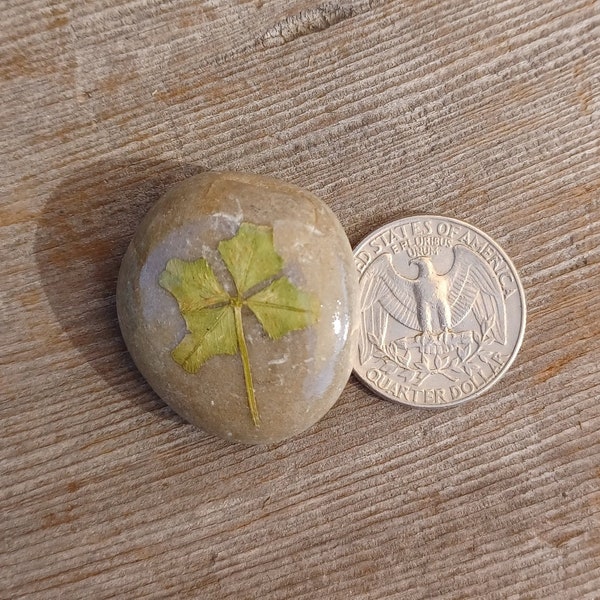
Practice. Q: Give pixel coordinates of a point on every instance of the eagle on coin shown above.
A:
(433, 303)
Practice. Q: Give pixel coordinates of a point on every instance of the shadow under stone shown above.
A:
(82, 234)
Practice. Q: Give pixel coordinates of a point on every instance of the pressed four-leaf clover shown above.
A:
(214, 318)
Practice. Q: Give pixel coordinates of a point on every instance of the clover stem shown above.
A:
(237, 311)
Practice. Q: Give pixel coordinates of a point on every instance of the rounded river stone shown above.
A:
(238, 301)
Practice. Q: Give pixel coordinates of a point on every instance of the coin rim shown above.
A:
(520, 336)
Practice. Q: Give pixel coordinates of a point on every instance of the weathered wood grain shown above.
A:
(488, 111)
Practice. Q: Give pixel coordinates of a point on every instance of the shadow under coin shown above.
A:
(81, 236)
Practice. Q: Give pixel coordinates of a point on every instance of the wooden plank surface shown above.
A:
(484, 110)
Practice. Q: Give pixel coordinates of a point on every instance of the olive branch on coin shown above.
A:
(397, 355)
(214, 318)
(468, 346)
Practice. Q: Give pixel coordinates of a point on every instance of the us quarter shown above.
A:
(442, 311)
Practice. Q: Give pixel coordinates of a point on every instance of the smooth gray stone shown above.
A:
(296, 378)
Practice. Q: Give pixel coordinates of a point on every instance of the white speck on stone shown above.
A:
(227, 217)
(337, 324)
(236, 218)
(212, 402)
(240, 212)
(313, 229)
(279, 361)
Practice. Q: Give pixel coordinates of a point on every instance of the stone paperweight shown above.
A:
(237, 299)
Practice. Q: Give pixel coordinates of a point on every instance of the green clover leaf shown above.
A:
(214, 319)
(281, 307)
(250, 256)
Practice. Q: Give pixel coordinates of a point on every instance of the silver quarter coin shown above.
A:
(442, 311)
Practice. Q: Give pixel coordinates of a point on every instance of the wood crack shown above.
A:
(309, 21)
